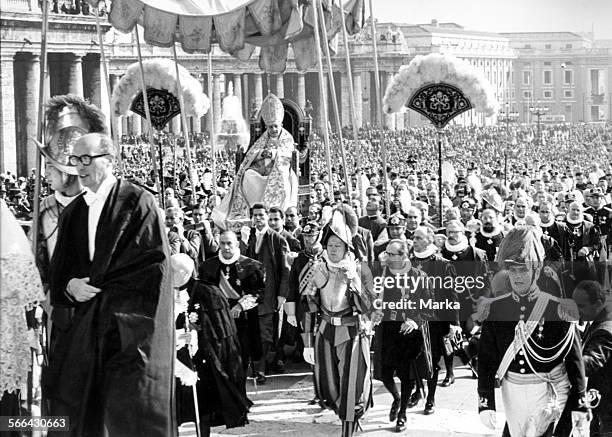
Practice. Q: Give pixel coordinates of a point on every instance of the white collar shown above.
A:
(575, 222)
(518, 218)
(263, 231)
(64, 200)
(547, 225)
(103, 190)
(496, 231)
(462, 245)
(429, 251)
(232, 260)
(344, 262)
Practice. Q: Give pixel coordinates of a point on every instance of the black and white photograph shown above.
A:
(305, 217)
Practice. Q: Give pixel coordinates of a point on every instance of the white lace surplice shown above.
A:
(20, 290)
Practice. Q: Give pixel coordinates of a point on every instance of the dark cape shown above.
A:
(221, 386)
(114, 367)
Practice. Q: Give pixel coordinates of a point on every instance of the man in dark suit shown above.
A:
(597, 351)
(276, 221)
(374, 221)
(270, 248)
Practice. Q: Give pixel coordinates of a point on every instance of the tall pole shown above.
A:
(379, 111)
(184, 123)
(322, 90)
(332, 89)
(41, 122)
(211, 118)
(145, 99)
(109, 92)
(353, 103)
(440, 133)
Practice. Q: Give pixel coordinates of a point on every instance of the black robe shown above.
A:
(114, 366)
(221, 386)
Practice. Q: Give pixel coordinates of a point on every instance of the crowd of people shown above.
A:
(532, 310)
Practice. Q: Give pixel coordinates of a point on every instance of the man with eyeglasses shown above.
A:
(399, 346)
(112, 265)
(469, 262)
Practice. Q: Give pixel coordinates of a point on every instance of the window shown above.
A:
(568, 108)
(548, 64)
(568, 46)
(568, 77)
(527, 94)
(527, 46)
(548, 46)
(526, 77)
(547, 77)
(568, 94)
(547, 94)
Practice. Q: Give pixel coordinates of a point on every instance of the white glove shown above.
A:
(309, 355)
(186, 375)
(581, 422)
(245, 231)
(488, 419)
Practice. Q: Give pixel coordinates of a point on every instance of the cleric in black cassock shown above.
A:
(113, 370)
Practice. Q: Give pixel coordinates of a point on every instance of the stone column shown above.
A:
(246, 102)
(389, 119)
(8, 140)
(217, 101)
(346, 117)
(301, 90)
(238, 88)
(75, 76)
(123, 120)
(258, 89)
(94, 81)
(399, 121)
(119, 120)
(136, 127)
(357, 91)
(280, 86)
(30, 101)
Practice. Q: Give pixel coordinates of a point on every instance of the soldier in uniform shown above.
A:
(401, 335)
(602, 214)
(530, 346)
(424, 257)
(340, 291)
(395, 229)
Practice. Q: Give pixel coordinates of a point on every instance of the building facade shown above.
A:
(568, 72)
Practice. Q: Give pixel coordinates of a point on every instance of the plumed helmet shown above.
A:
(68, 118)
(343, 225)
(521, 245)
(272, 110)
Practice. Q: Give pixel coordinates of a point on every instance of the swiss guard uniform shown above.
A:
(602, 217)
(340, 293)
(530, 346)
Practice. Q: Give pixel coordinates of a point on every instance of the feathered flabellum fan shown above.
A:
(343, 225)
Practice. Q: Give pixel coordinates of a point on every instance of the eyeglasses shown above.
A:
(84, 159)
(394, 254)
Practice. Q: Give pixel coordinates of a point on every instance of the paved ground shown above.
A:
(281, 408)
